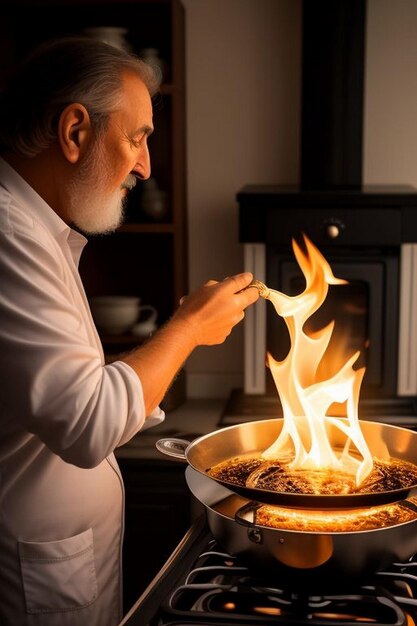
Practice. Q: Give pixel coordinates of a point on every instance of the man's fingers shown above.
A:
(237, 282)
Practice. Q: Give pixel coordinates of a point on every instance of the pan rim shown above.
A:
(325, 501)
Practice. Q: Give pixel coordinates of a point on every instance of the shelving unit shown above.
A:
(143, 258)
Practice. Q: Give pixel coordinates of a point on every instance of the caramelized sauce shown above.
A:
(255, 472)
(353, 520)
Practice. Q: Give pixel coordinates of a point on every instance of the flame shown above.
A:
(305, 399)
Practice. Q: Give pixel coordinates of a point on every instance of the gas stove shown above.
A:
(201, 584)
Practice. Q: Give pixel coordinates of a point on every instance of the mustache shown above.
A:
(129, 182)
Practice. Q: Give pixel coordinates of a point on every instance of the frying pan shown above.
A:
(384, 441)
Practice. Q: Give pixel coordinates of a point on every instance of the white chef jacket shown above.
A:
(62, 413)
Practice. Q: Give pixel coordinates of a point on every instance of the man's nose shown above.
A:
(143, 166)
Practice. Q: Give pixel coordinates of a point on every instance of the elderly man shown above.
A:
(74, 126)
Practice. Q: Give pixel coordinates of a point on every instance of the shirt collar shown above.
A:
(27, 197)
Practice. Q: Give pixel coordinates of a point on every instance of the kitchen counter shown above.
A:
(193, 418)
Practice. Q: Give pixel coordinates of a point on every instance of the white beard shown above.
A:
(90, 209)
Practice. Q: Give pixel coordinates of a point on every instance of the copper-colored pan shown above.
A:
(384, 441)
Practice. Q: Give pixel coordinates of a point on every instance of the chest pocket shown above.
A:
(58, 575)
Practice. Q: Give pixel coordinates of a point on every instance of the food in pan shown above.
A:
(369, 518)
(251, 470)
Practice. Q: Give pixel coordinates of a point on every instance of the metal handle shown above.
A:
(261, 287)
(175, 448)
(249, 508)
(254, 532)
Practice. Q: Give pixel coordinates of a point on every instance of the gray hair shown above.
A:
(58, 73)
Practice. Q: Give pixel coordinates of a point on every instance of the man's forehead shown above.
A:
(137, 105)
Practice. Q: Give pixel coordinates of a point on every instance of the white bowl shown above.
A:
(114, 314)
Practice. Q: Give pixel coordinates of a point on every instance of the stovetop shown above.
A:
(201, 584)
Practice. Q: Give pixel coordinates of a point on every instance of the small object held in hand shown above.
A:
(261, 287)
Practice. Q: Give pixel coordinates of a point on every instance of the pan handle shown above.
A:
(254, 532)
(173, 447)
(241, 514)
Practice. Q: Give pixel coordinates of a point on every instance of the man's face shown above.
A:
(109, 169)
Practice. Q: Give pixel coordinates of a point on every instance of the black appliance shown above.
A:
(369, 238)
(202, 585)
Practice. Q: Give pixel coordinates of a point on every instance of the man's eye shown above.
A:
(136, 142)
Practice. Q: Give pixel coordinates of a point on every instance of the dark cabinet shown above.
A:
(157, 517)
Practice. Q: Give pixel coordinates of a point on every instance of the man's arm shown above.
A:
(205, 317)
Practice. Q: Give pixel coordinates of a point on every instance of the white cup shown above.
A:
(114, 314)
(148, 325)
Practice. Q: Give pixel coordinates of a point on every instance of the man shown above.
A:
(74, 126)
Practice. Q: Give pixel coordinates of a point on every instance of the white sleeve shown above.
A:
(153, 419)
(54, 383)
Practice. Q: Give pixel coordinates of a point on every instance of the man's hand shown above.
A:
(212, 311)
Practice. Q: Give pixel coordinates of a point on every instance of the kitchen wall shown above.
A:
(243, 101)
(390, 146)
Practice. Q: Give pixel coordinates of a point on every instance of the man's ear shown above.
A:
(74, 131)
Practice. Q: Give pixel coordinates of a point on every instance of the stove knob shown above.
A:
(332, 231)
(333, 227)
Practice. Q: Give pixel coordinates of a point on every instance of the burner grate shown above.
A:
(201, 585)
(219, 589)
